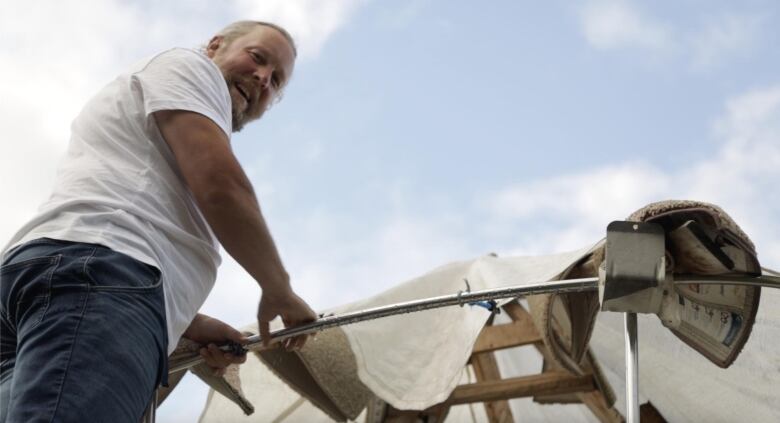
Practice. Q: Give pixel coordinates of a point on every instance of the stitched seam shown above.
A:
(53, 260)
(84, 270)
(70, 353)
(8, 322)
(28, 263)
(48, 290)
(129, 289)
(119, 289)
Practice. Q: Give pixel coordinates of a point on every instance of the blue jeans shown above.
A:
(82, 334)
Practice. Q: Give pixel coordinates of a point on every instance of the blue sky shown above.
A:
(418, 132)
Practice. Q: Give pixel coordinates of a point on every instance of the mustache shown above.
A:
(247, 83)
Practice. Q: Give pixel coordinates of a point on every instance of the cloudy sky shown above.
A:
(418, 132)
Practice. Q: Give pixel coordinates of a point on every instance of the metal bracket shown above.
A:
(634, 267)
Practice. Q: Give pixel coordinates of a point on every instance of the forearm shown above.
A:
(192, 328)
(224, 195)
(235, 217)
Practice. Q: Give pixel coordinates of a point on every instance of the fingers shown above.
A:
(295, 343)
(218, 360)
(265, 333)
(293, 311)
(298, 342)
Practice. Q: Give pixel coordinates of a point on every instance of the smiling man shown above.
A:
(96, 290)
(255, 72)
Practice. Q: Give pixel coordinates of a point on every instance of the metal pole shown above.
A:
(632, 369)
(462, 298)
(764, 280)
(151, 410)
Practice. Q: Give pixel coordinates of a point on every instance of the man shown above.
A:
(97, 289)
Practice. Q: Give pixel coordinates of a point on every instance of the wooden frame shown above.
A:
(494, 391)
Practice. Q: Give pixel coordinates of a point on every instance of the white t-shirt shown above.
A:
(119, 184)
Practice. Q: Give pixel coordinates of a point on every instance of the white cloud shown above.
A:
(741, 176)
(335, 269)
(585, 195)
(621, 24)
(310, 22)
(572, 210)
(609, 24)
(744, 174)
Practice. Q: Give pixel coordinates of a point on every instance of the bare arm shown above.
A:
(225, 196)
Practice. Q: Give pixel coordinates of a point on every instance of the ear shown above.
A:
(213, 45)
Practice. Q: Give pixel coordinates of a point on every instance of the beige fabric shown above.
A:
(415, 360)
(565, 321)
(714, 320)
(228, 385)
(325, 372)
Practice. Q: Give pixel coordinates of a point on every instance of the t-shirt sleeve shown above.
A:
(181, 79)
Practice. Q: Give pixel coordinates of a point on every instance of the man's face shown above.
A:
(256, 67)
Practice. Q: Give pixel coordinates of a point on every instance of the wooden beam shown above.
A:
(594, 399)
(649, 414)
(507, 335)
(516, 312)
(486, 369)
(526, 386)
(597, 404)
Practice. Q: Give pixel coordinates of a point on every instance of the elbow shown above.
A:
(218, 191)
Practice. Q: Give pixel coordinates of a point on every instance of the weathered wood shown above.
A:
(432, 415)
(506, 336)
(526, 386)
(597, 404)
(601, 401)
(486, 369)
(516, 312)
(649, 414)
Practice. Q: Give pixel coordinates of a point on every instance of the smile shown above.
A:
(243, 93)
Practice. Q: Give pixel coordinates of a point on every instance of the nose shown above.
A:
(263, 75)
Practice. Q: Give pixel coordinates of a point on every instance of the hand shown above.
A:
(293, 310)
(209, 331)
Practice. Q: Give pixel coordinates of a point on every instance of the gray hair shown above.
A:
(237, 29)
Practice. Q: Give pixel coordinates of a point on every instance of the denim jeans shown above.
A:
(83, 335)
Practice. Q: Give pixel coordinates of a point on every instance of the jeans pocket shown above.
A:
(25, 289)
(108, 270)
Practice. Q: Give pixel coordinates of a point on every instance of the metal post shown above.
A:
(151, 410)
(632, 369)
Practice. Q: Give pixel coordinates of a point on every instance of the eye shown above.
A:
(257, 57)
(275, 80)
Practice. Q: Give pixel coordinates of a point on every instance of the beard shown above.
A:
(241, 111)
